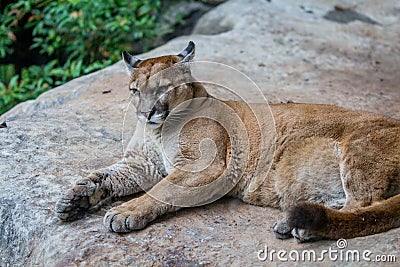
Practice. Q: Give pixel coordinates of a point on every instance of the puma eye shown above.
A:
(134, 91)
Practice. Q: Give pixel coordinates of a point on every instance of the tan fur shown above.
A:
(327, 155)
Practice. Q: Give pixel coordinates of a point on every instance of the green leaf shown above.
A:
(13, 82)
(77, 36)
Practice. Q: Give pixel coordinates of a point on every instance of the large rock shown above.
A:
(292, 53)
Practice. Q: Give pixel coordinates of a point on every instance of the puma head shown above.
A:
(159, 84)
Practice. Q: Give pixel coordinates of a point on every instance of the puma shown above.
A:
(336, 172)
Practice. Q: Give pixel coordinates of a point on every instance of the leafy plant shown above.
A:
(74, 36)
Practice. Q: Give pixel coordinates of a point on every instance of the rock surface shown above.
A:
(289, 50)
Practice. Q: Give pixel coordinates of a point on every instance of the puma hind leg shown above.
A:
(372, 188)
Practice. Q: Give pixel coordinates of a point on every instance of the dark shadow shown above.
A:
(347, 15)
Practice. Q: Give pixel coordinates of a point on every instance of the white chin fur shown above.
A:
(151, 124)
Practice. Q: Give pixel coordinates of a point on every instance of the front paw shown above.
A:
(77, 200)
(123, 220)
(134, 214)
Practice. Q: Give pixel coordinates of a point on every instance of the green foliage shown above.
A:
(5, 41)
(77, 36)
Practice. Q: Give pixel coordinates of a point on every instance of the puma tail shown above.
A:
(335, 224)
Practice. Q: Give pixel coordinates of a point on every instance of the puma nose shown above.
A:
(147, 114)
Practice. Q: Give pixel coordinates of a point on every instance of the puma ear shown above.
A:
(130, 61)
(188, 53)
